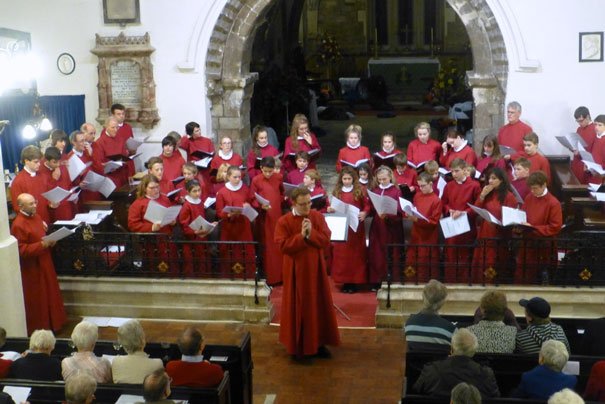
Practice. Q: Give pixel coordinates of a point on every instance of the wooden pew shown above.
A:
(565, 185)
(418, 399)
(54, 392)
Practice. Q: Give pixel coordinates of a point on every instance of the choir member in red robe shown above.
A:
(598, 149)
(31, 182)
(124, 132)
(512, 133)
(190, 172)
(270, 187)
(456, 147)
(198, 148)
(58, 138)
(79, 149)
(106, 146)
(349, 259)
(422, 261)
(42, 297)
(155, 167)
(385, 229)
(159, 252)
(172, 159)
(490, 158)
(308, 321)
(490, 259)
(225, 155)
(538, 161)
(260, 149)
(300, 139)
(521, 170)
(237, 260)
(366, 179)
(311, 181)
(296, 176)
(405, 176)
(544, 221)
(353, 154)
(388, 151)
(423, 148)
(195, 260)
(456, 197)
(586, 130)
(55, 174)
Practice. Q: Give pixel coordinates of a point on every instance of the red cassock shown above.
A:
(289, 161)
(104, 147)
(65, 210)
(408, 177)
(43, 302)
(308, 320)
(466, 153)
(545, 216)
(520, 185)
(486, 163)
(85, 195)
(512, 134)
(589, 134)
(251, 160)
(598, 155)
(349, 259)
(272, 190)
(167, 186)
(422, 262)
(35, 186)
(123, 134)
(218, 160)
(191, 145)
(173, 165)
(352, 156)
(419, 152)
(490, 258)
(194, 374)
(296, 176)
(237, 261)
(457, 196)
(382, 232)
(538, 163)
(194, 255)
(159, 253)
(595, 387)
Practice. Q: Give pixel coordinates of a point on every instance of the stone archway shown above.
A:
(230, 83)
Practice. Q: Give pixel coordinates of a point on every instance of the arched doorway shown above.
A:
(230, 82)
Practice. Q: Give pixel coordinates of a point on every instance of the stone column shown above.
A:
(488, 113)
(11, 290)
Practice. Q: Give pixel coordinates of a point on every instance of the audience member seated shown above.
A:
(37, 364)
(546, 378)
(565, 396)
(5, 364)
(539, 327)
(492, 334)
(5, 398)
(80, 387)
(427, 331)
(465, 393)
(156, 387)
(439, 377)
(84, 337)
(595, 387)
(133, 367)
(509, 318)
(192, 370)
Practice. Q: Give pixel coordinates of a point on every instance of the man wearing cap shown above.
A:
(539, 327)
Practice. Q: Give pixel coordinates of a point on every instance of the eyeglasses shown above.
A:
(580, 120)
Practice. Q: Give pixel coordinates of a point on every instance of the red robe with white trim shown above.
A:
(466, 153)
(289, 161)
(424, 260)
(194, 255)
(512, 135)
(104, 147)
(352, 156)
(35, 186)
(173, 165)
(419, 152)
(267, 151)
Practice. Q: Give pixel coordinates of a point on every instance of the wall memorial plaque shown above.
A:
(126, 77)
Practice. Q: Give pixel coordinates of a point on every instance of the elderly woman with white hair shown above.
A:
(38, 364)
(133, 368)
(547, 378)
(84, 336)
(426, 330)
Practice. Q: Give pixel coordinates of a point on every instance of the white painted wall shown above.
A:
(549, 30)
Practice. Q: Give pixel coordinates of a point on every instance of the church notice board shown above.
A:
(407, 78)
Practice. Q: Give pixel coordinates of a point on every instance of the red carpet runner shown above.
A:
(360, 306)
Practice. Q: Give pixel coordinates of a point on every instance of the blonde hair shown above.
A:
(298, 120)
(353, 129)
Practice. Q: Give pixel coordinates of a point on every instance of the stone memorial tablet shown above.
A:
(126, 83)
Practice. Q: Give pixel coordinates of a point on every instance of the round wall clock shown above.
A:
(66, 63)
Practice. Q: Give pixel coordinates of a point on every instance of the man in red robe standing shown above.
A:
(308, 321)
(43, 302)
(512, 133)
(106, 146)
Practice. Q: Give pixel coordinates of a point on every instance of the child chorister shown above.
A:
(353, 154)
(225, 155)
(311, 180)
(260, 149)
(455, 147)
(491, 157)
(423, 148)
(349, 259)
(300, 139)
(269, 186)
(296, 176)
(388, 151)
(366, 179)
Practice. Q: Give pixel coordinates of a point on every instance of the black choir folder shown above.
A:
(202, 154)
(387, 160)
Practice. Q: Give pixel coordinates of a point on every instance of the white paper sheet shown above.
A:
(453, 227)
(59, 234)
(288, 188)
(107, 321)
(203, 163)
(351, 211)
(512, 216)
(17, 393)
(164, 215)
(133, 144)
(75, 167)
(99, 183)
(507, 150)
(10, 355)
(383, 204)
(209, 202)
(416, 166)
(201, 223)
(444, 171)
(56, 195)
(410, 209)
(261, 200)
(594, 167)
(441, 183)
(111, 166)
(93, 217)
(485, 214)
(599, 196)
(250, 213)
(355, 164)
(585, 154)
(338, 226)
(571, 368)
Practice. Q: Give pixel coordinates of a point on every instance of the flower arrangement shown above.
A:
(328, 50)
(448, 82)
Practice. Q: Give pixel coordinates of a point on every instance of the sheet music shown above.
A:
(201, 223)
(93, 217)
(444, 171)
(585, 155)
(441, 183)
(111, 166)
(209, 202)
(59, 234)
(485, 214)
(262, 200)
(288, 188)
(107, 187)
(10, 355)
(351, 211)
(203, 163)
(56, 195)
(338, 226)
(250, 213)
(17, 393)
(355, 164)
(599, 196)
(75, 167)
(507, 150)
(133, 144)
(410, 209)
(594, 167)
(453, 227)
(157, 213)
(173, 192)
(516, 194)
(383, 204)
(512, 216)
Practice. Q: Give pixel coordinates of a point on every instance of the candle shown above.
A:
(376, 43)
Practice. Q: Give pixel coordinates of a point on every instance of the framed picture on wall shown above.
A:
(591, 46)
(121, 12)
